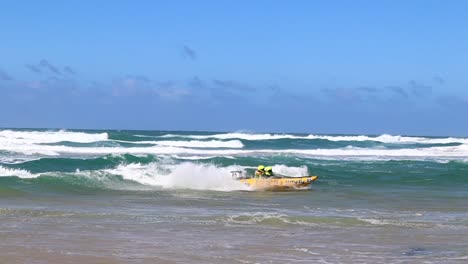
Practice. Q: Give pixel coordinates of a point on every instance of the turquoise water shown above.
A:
(167, 196)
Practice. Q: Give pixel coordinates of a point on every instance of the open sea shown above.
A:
(111, 196)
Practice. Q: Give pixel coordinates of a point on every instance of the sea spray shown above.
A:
(6, 172)
(186, 175)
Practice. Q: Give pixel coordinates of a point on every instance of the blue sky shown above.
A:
(370, 67)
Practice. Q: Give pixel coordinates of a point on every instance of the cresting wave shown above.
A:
(5, 172)
(191, 143)
(26, 145)
(185, 175)
(165, 174)
(9, 137)
(456, 153)
(36, 137)
(382, 138)
(86, 137)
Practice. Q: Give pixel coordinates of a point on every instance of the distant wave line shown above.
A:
(385, 138)
(452, 151)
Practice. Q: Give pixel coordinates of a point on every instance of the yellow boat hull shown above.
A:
(279, 183)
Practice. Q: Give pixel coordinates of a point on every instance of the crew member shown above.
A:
(260, 172)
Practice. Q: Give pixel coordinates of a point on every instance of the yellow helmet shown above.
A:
(268, 169)
(261, 167)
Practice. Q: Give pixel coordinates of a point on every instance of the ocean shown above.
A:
(116, 196)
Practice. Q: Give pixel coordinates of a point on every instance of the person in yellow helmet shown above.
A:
(260, 172)
(268, 171)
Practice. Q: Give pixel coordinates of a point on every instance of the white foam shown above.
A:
(420, 140)
(305, 250)
(36, 137)
(29, 143)
(203, 144)
(167, 174)
(246, 136)
(192, 143)
(460, 258)
(385, 138)
(6, 172)
(254, 218)
(189, 175)
(381, 222)
(16, 159)
(258, 218)
(193, 157)
(200, 157)
(451, 153)
(186, 175)
(290, 171)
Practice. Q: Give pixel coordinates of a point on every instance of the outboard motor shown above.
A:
(237, 175)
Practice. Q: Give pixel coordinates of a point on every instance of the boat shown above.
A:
(275, 183)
